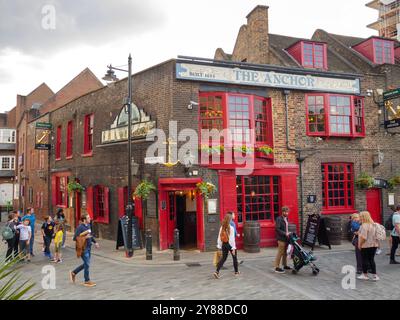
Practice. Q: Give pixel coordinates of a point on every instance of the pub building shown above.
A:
(299, 109)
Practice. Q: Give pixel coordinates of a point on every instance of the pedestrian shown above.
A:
(368, 244)
(47, 233)
(10, 242)
(233, 224)
(282, 236)
(17, 221)
(395, 235)
(60, 219)
(24, 239)
(389, 227)
(30, 215)
(354, 228)
(84, 232)
(58, 244)
(226, 243)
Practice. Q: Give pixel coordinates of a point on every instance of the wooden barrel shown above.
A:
(251, 238)
(334, 230)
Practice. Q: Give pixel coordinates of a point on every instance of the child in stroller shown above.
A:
(300, 256)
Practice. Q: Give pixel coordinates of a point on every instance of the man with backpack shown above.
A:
(395, 235)
(8, 233)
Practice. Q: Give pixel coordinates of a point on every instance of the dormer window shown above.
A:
(377, 50)
(310, 54)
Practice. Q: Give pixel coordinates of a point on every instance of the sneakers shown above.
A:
(287, 268)
(237, 273)
(378, 252)
(375, 278)
(363, 277)
(59, 261)
(279, 270)
(216, 275)
(89, 284)
(72, 277)
(394, 262)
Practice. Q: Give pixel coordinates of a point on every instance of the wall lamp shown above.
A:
(191, 105)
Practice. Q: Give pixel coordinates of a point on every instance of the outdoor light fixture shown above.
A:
(369, 92)
(192, 104)
(110, 75)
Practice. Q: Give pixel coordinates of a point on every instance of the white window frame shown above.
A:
(10, 137)
(12, 163)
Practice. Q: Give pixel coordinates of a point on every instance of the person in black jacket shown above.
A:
(282, 235)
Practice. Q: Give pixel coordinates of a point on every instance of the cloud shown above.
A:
(90, 22)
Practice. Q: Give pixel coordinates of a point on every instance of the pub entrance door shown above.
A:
(374, 204)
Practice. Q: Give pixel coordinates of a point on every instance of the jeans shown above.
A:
(395, 245)
(16, 243)
(31, 242)
(10, 249)
(85, 266)
(226, 248)
(358, 256)
(23, 248)
(281, 255)
(368, 259)
(47, 243)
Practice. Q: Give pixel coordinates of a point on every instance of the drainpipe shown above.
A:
(299, 158)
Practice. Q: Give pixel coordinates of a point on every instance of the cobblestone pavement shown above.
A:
(123, 280)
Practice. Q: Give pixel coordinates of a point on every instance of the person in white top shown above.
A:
(226, 243)
(24, 239)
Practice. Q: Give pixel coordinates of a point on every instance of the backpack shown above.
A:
(224, 236)
(7, 233)
(380, 232)
(389, 223)
(80, 245)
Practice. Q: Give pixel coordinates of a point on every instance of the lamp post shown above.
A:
(110, 76)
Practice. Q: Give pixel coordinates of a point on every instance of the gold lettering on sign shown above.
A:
(394, 112)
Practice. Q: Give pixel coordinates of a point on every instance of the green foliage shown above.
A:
(143, 189)
(213, 149)
(267, 150)
(364, 181)
(393, 182)
(11, 287)
(206, 189)
(244, 149)
(74, 186)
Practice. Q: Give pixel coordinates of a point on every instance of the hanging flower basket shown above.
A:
(364, 181)
(393, 182)
(75, 186)
(206, 189)
(144, 189)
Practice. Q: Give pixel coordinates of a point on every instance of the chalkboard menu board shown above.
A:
(122, 239)
(316, 229)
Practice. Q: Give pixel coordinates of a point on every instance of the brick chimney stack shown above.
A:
(257, 30)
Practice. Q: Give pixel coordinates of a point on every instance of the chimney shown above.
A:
(257, 24)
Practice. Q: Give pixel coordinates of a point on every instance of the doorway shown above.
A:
(182, 209)
(374, 204)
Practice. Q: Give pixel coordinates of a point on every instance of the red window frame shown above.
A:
(383, 51)
(101, 212)
(61, 194)
(220, 117)
(258, 197)
(337, 187)
(88, 135)
(58, 143)
(69, 139)
(314, 57)
(356, 115)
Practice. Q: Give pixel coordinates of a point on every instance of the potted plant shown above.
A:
(264, 151)
(206, 189)
(244, 150)
(143, 189)
(364, 181)
(74, 186)
(393, 182)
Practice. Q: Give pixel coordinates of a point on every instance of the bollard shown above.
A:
(149, 245)
(177, 255)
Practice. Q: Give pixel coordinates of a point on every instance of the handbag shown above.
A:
(217, 257)
(354, 242)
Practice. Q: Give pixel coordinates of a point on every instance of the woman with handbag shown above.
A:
(355, 227)
(226, 242)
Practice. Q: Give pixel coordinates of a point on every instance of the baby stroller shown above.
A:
(300, 256)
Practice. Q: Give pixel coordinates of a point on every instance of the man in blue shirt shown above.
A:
(30, 215)
(84, 230)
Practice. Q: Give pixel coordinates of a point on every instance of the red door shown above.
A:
(374, 204)
(171, 220)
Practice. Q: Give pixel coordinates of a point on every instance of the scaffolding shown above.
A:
(388, 24)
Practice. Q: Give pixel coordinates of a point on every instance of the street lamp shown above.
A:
(110, 76)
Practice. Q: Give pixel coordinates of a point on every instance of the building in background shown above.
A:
(388, 23)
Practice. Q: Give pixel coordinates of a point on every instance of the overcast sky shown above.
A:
(94, 33)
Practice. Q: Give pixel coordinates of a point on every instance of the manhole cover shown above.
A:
(194, 264)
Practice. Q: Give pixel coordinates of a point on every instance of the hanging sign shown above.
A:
(391, 101)
(42, 136)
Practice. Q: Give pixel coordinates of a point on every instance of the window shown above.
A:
(335, 115)
(88, 134)
(7, 136)
(58, 143)
(258, 198)
(30, 195)
(69, 139)
(384, 51)
(247, 117)
(61, 191)
(101, 204)
(7, 163)
(309, 54)
(41, 159)
(41, 200)
(337, 186)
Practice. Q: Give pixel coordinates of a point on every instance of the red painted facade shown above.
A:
(377, 50)
(310, 54)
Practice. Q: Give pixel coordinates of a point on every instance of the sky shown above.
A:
(52, 41)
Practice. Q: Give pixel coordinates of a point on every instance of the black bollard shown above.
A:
(149, 245)
(177, 255)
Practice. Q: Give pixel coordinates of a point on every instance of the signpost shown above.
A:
(42, 136)
(122, 239)
(391, 101)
